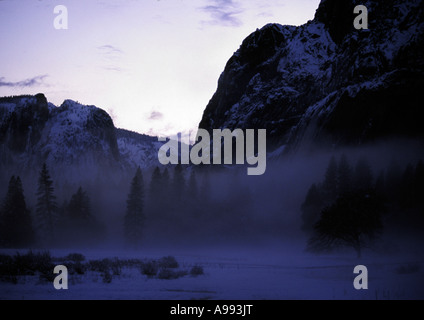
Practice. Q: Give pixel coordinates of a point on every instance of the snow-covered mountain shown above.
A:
(322, 84)
(73, 139)
(137, 150)
(326, 84)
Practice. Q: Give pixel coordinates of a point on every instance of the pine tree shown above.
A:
(407, 187)
(330, 181)
(79, 226)
(63, 220)
(344, 176)
(363, 177)
(393, 180)
(192, 186)
(165, 178)
(419, 185)
(134, 218)
(165, 201)
(193, 206)
(46, 206)
(154, 205)
(237, 203)
(311, 208)
(380, 185)
(155, 183)
(205, 190)
(6, 218)
(79, 208)
(178, 184)
(16, 223)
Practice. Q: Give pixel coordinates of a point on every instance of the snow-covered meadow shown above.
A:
(267, 273)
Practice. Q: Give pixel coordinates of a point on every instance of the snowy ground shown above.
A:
(239, 274)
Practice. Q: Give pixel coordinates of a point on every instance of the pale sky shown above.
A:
(152, 64)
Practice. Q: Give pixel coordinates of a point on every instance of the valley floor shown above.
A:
(237, 274)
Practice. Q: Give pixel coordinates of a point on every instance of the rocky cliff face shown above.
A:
(73, 139)
(326, 84)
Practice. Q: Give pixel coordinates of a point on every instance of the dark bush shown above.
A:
(30, 263)
(106, 265)
(168, 274)
(25, 264)
(5, 259)
(168, 262)
(132, 263)
(8, 272)
(75, 257)
(107, 277)
(99, 265)
(196, 271)
(6, 264)
(76, 268)
(149, 268)
(47, 277)
(116, 267)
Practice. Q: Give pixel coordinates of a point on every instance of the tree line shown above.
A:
(19, 228)
(169, 204)
(73, 222)
(350, 206)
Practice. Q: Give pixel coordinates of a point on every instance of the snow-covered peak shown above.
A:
(11, 104)
(307, 51)
(78, 113)
(282, 73)
(74, 140)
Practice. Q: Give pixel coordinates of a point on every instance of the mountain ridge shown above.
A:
(301, 83)
(70, 138)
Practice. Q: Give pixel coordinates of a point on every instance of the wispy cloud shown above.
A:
(108, 49)
(167, 130)
(223, 13)
(265, 15)
(112, 57)
(112, 68)
(115, 4)
(31, 82)
(155, 115)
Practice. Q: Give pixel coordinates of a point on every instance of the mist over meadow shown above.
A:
(194, 206)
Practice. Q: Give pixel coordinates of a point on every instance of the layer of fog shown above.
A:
(234, 210)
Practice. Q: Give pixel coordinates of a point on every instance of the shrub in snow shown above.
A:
(26, 264)
(168, 274)
(76, 268)
(196, 271)
(149, 268)
(116, 267)
(168, 262)
(30, 263)
(47, 277)
(99, 265)
(107, 277)
(75, 257)
(7, 270)
(132, 263)
(106, 265)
